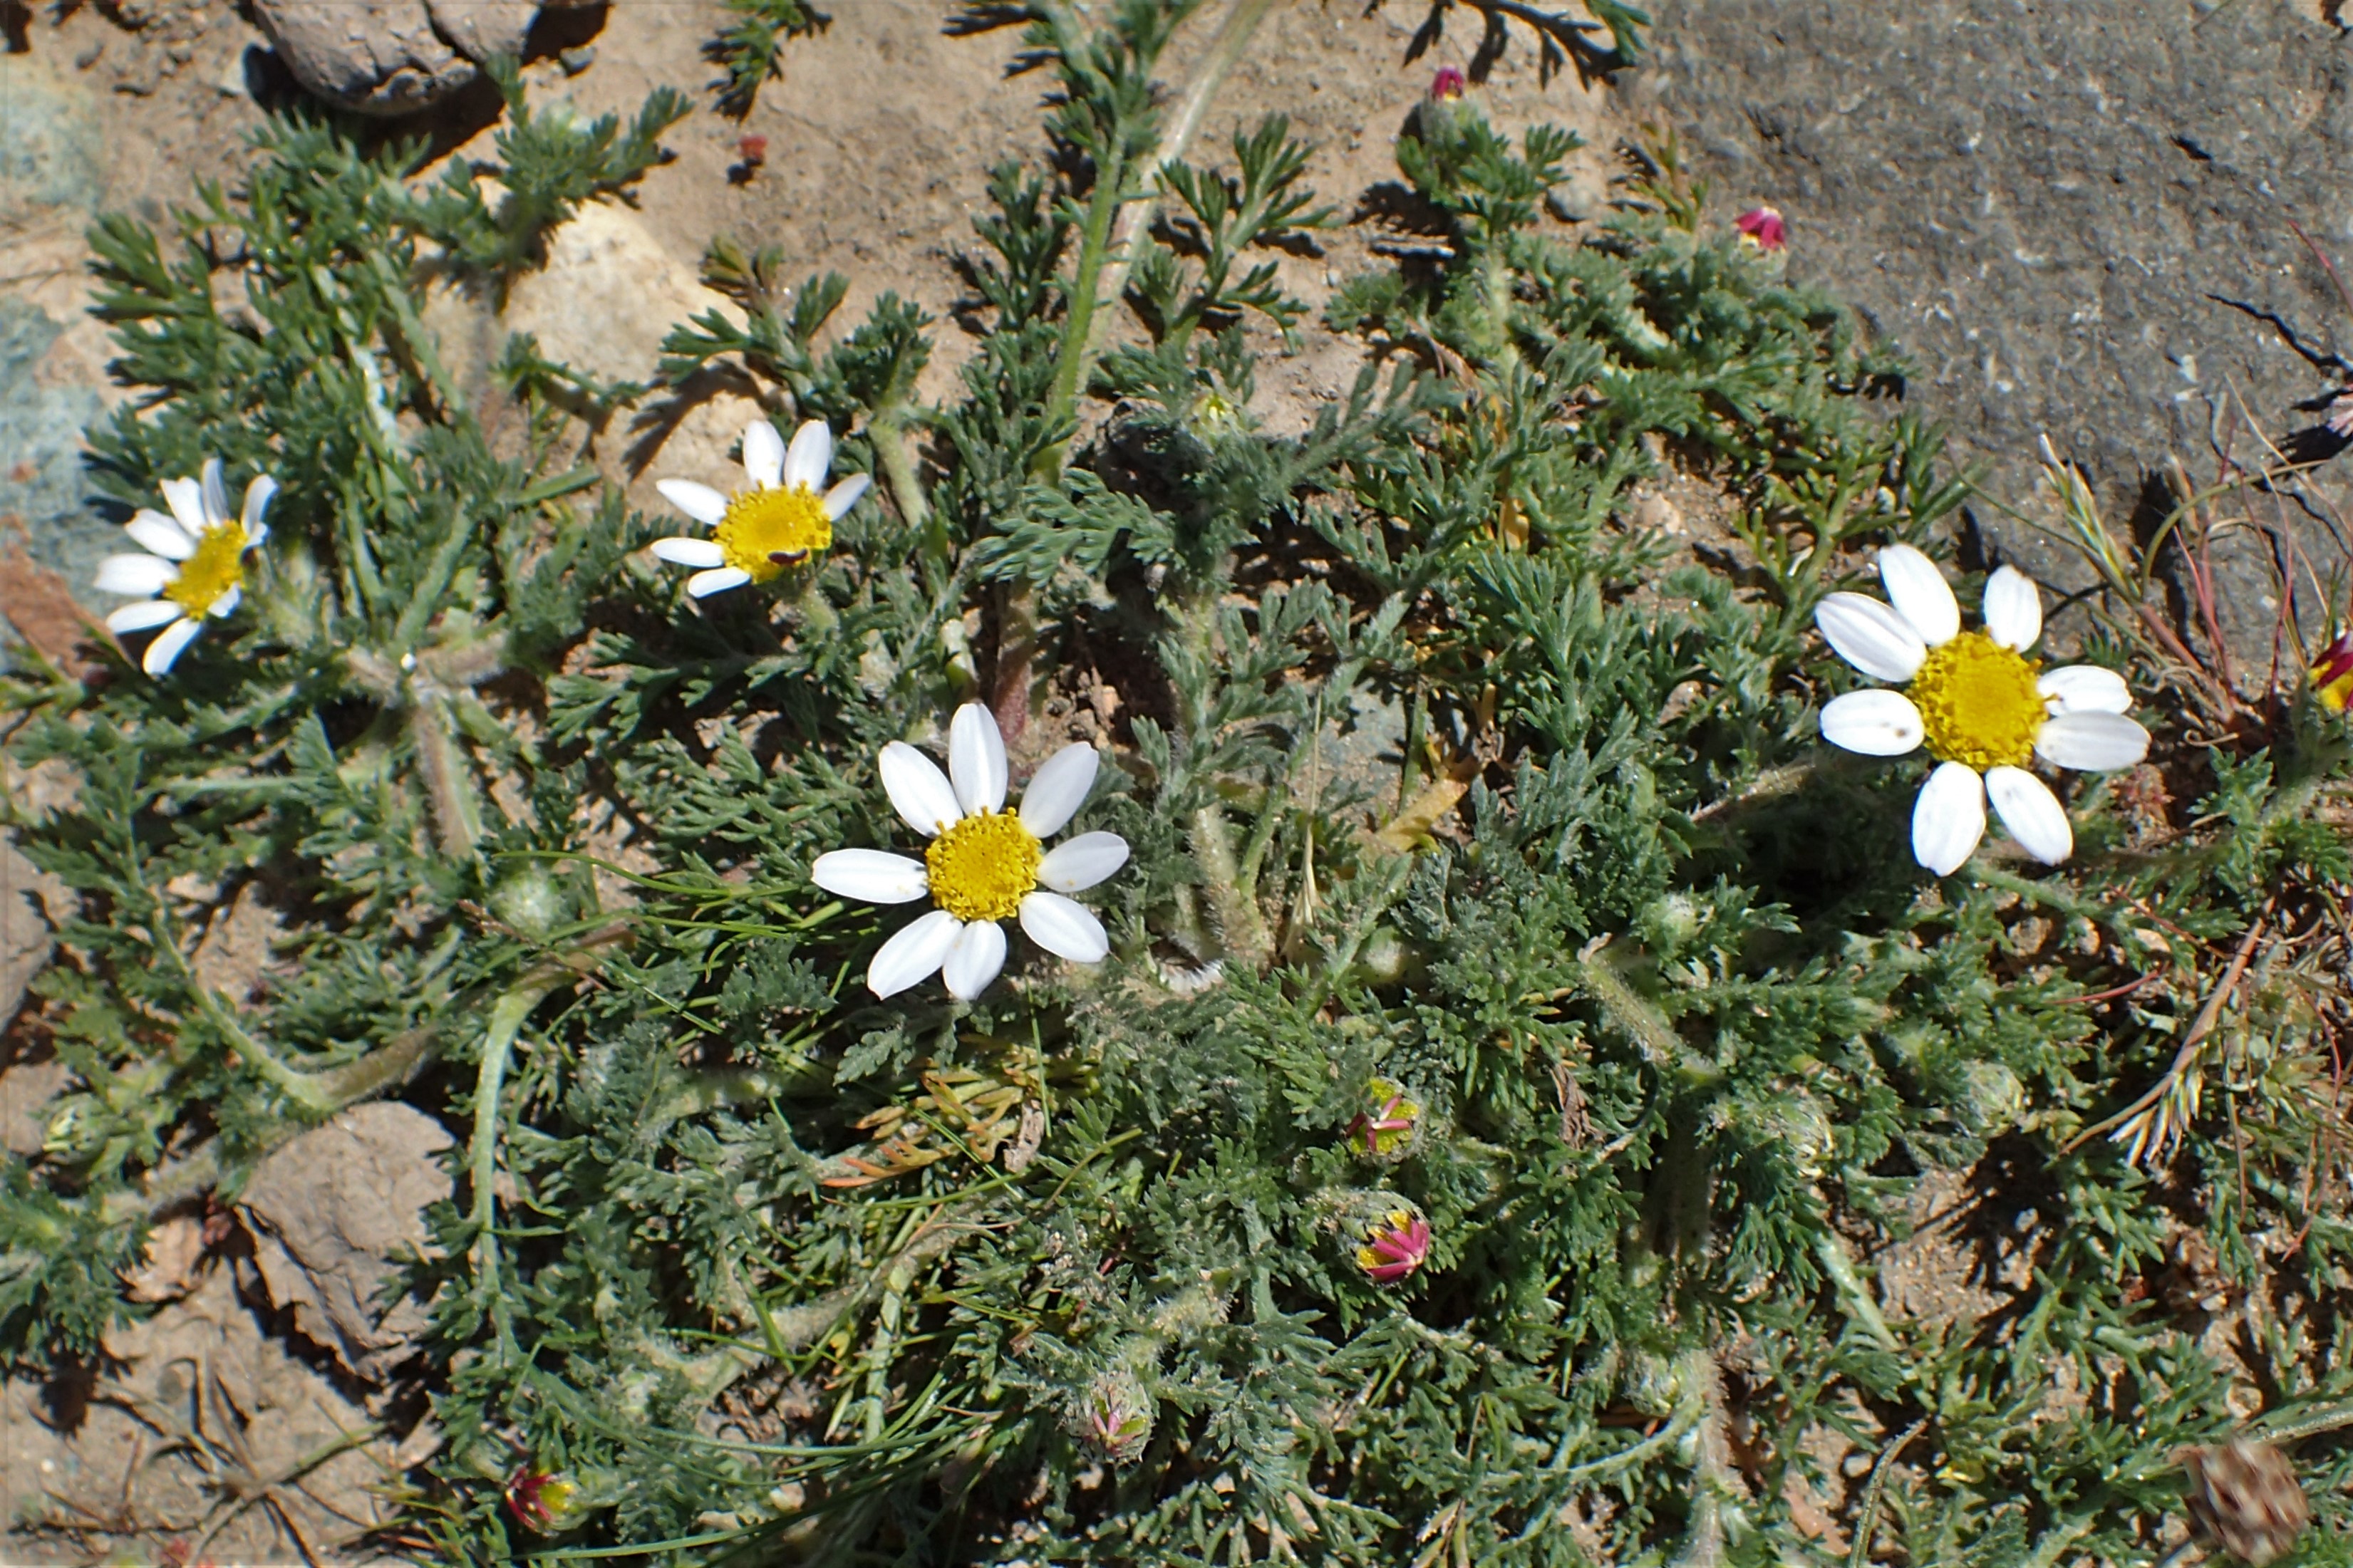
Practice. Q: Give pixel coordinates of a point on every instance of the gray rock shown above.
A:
(392, 56)
(43, 483)
(2074, 217)
(52, 181)
(52, 141)
(378, 57)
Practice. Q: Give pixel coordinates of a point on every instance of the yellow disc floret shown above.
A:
(983, 866)
(771, 527)
(218, 566)
(1977, 703)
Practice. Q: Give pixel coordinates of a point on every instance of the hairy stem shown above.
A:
(457, 818)
(1225, 51)
(1241, 928)
(507, 1015)
(889, 435)
(1078, 327)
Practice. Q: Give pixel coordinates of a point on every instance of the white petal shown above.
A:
(1877, 724)
(702, 585)
(845, 495)
(159, 536)
(167, 646)
(1057, 790)
(145, 574)
(142, 615)
(876, 876)
(811, 458)
(1920, 593)
(2032, 813)
(187, 499)
(1064, 929)
(974, 959)
(2086, 688)
(257, 501)
(2013, 608)
(2094, 743)
(912, 955)
(977, 759)
(919, 792)
(225, 604)
(1870, 636)
(1949, 818)
(167, 519)
(764, 454)
(700, 502)
(215, 494)
(1082, 862)
(701, 552)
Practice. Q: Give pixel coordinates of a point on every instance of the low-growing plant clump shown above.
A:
(1178, 992)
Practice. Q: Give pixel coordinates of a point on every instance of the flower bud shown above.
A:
(1391, 1127)
(1762, 227)
(548, 1501)
(1113, 1417)
(1651, 1383)
(528, 899)
(1992, 1099)
(1394, 1247)
(2332, 674)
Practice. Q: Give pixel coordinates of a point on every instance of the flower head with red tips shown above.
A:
(1448, 85)
(1397, 1246)
(2332, 674)
(544, 1500)
(1762, 227)
(1388, 1129)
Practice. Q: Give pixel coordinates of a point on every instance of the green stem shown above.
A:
(1078, 326)
(1225, 52)
(1830, 1250)
(1242, 929)
(507, 1015)
(887, 432)
(456, 813)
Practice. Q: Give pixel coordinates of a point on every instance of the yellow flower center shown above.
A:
(769, 528)
(1978, 704)
(981, 868)
(218, 566)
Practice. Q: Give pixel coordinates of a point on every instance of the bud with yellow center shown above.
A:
(2332, 674)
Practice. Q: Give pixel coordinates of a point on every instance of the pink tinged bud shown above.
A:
(543, 1500)
(1388, 1129)
(1448, 85)
(1396, 1249)
(2332, 674)
(1762, 227)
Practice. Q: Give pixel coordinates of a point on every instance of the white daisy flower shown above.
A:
(189, 566)
(772, 524)
(984, 864)
(1983, 708)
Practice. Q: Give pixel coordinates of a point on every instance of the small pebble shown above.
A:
(577, 58)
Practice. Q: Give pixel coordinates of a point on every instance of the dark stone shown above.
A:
(2075, 216)
(42, 484)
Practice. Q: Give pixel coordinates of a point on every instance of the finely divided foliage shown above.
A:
(1465, 1130)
